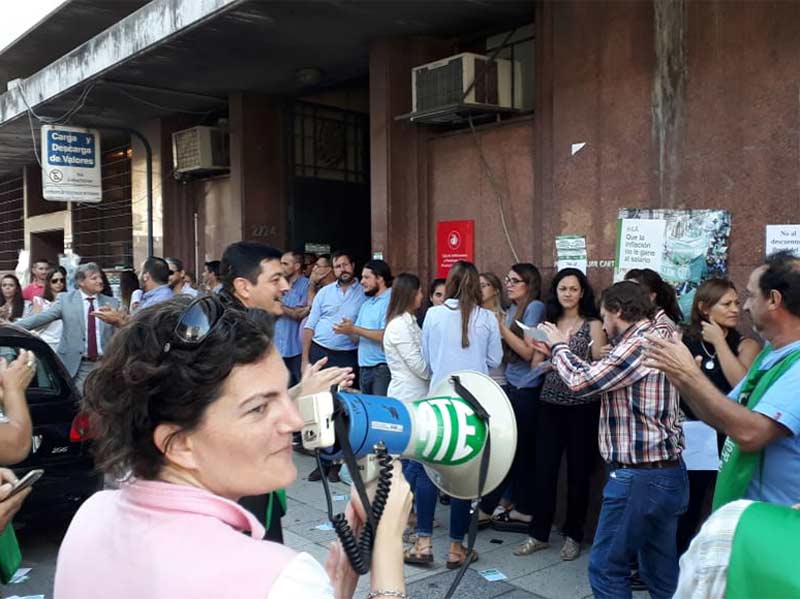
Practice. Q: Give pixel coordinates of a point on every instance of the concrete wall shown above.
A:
(461, 187)
(681, 105)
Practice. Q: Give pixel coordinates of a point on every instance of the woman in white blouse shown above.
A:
(402, 341)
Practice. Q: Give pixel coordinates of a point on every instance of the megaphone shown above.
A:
(442, 431)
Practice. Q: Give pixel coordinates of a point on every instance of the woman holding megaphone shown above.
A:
(190, 405)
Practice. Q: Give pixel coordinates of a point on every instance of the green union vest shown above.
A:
(765, 557)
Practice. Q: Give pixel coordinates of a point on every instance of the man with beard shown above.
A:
(761, 456)
(373, 373)
(335, 303)
(177, 278)
(252, 277)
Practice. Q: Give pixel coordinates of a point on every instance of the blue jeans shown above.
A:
(638, 519)
(374, 380)
(425, 498)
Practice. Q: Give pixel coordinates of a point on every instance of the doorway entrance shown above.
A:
(330, 195)
(47, 245)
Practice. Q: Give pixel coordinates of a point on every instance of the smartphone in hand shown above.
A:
(26, 481)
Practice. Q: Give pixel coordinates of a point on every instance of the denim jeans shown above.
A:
(425, 498)
(374, 380)
(638, 519)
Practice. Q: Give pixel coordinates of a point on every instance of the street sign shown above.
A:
(71, 164)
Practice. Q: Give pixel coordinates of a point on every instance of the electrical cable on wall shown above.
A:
(495, 187)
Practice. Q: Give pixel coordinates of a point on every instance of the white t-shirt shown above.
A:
(302, 578)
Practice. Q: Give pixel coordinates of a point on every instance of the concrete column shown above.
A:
(152, 130)
(258, 181)
(398, 163)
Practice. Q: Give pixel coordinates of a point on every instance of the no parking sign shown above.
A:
(71, 164)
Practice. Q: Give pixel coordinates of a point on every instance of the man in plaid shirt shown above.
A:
(641, 441)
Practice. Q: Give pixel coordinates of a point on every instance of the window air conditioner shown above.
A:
(200, 149)
(443, 82)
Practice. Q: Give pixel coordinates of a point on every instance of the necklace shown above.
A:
(708, 364)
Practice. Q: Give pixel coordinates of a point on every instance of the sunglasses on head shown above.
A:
(196, 322)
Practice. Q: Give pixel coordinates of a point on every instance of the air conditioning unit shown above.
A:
(201, 149)
(444, 82)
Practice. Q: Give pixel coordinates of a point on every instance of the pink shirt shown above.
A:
(32, 290)
(163, 541)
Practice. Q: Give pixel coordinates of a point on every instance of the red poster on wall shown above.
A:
(455, 240)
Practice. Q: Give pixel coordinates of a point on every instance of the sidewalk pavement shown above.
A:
(540, 575)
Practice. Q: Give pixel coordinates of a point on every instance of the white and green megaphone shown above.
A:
(442, 431)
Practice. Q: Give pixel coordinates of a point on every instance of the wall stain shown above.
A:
(668, 95)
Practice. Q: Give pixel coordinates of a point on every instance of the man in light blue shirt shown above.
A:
(773, 426)
(373, 372)
(333, 304)
(155, 282)
(295, 309)
(177, 278)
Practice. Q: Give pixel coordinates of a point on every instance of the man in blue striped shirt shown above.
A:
(295, 309)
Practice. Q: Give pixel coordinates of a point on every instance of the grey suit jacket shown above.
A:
(71, 308)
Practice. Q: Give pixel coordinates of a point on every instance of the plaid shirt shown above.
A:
(639, 406)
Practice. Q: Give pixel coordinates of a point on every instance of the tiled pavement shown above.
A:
(541, 575)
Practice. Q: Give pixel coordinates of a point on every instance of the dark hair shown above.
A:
(404, 292)
(157, 268)
(666, 298)
(380, 269)
(243, 259)
(40, 261)
(48, 284)
(707, 296)
(212, 266)
(327, 258)
(107, 290)
(128, 283)
(137, 386)
(497, 285)
(434, 284)
(464, 284)
(630, 299)
(587, 306)
(339, 254)
(530, 275)
(782, 275)
(176, 262)
(18, 305)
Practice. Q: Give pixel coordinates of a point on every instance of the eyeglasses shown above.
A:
(54, 280)
(511, 281)
(196, 322)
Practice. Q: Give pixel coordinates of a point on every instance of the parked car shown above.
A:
(60, 443)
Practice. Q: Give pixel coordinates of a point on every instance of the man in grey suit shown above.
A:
(84, 336)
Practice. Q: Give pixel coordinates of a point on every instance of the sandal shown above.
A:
(460, 556)
(410, 536)
(506, 523)
(419, 556)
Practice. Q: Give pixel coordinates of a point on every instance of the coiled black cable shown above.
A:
(359, 551)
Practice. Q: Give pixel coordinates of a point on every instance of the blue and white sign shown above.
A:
(71, 164)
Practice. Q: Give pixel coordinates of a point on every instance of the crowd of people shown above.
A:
(190, 397)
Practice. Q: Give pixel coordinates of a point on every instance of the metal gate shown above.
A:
(12, 224)
(103, 232)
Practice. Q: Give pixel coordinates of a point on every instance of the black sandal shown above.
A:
(415, 557)
(505, 523)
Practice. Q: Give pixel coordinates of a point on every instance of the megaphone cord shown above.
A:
(359, 551)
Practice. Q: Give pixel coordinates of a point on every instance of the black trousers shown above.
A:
(335, 358)
(525, 403)
(701, 482)
(572, 429)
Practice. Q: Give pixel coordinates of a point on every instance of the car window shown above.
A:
(45, 379)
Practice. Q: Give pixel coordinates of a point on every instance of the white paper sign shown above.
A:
(783, 237)
(641, 244)
(701, 452)
(71, 164)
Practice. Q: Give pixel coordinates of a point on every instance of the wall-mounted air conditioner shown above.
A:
(201, 149)
(444, 82)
